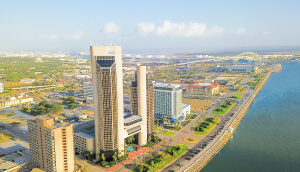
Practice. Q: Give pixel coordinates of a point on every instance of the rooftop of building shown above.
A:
(166, 85)
(86, 134)
(57, 122)
(241, 65)
(185, 106)
(203, 85)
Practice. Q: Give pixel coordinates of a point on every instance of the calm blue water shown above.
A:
(268, 139)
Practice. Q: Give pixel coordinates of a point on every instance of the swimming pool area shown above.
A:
(130, 148)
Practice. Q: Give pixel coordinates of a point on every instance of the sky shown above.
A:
(140, 25)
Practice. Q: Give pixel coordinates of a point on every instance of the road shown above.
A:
(212, 136)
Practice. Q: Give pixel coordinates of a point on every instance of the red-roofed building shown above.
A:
(203, 89)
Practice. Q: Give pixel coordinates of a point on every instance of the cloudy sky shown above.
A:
(74, 25)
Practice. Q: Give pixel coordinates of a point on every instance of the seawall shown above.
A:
(199, 163)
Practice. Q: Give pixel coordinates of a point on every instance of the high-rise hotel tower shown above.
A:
(108, 99)
(135, 94)
(51, 144)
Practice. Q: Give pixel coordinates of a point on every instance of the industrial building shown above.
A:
(241, 68)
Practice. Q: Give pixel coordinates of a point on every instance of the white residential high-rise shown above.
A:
(1, 87)
(168, 100)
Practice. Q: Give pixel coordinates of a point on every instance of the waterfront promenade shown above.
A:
(210, 151)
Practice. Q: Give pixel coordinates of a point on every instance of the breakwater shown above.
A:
(199, 163)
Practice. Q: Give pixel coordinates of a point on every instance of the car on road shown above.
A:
(180, 165)
(140, 157)
(188, 158)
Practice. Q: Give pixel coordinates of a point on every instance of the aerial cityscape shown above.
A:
(154, 86)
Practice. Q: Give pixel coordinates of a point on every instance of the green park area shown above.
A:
(237, 96)
(167, 133)
(7, 114)
(206, 126)
(162, 160)
(4, 136)
(8, 117)
(224, 107)
(155, 128)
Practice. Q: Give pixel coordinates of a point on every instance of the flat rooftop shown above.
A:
(86, 135)
(166, 85)
(203, 84)
(185, 106)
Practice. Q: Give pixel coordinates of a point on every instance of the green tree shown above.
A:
(103, 157)
(136, 160)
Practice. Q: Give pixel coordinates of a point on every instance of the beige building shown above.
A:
(18, 100)
(84, 137)
(203, 89)
(150, 101)
(51, 144)
(108, 99)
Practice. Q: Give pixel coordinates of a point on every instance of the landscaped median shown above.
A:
(236, 96)
(167, 133)
(224, 107)
(160, 161)
(206, 126)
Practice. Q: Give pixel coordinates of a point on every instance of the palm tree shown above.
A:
(149, 139)
(163, 119)
(145, 154)
(114, 158)
(85, 168)
(166, 143)
(103, 157)
(171, 140)
(152, 150)
(136, 160)
(152, 164)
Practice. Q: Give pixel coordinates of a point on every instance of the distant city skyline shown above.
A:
(153, 26)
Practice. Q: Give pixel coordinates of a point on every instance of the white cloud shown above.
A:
(216, 30)
(168, 28)
(111, 28)
(266, 33)
(181, 29)
(240, 30)
(49, 36)
(76, 35)
(144, 28)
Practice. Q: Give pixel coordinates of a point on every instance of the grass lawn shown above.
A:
(225, 110)
(198, 105)
(238, 96)
(162, 160)
(155, 128)
(168, 133)
(4, 136)
(208, 129)
(7, 114)
(10, 120)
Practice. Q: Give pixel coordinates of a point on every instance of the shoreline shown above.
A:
(205, 158)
